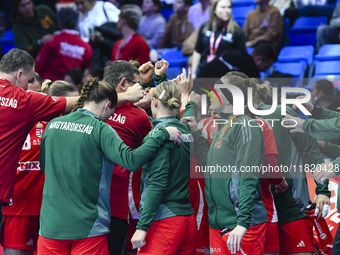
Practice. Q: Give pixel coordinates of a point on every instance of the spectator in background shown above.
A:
(259, 60)
(91, 15)
(178, 28)
(33, 26)
(75, 76)
(152, 24)
(323, 95)
(94, 14)
(199, 13)
(217, 35)
(329, 34)
(132, 46)
(66, 51)
(263, 25)
(35, 83)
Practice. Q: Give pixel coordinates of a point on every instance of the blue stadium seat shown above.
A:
(167, 12)
(303, 32)
(243, 2)
(296, 69)
(176, 62)
(7, 41)
(240, 13)
(250, 49)
(328, 52)
(327, 67)
(297, 54)
(175, 58)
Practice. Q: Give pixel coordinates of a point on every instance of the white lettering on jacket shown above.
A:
(8, 102)
(73, 51)
(70, 126)
(29, 166)
(118, 118)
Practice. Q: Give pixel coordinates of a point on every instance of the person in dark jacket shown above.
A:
(33, 26)
(251, 64)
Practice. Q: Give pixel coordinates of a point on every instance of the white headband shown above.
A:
(162, 94)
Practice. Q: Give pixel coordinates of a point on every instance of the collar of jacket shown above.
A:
(88, 113)
(164, 120)
(224, 115)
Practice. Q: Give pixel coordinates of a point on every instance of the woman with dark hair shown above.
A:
(32, 26)
(152, 24)
(77, 155)
(217, 35)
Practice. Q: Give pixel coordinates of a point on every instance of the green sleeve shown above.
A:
(336, 166)
(22, 40)
(158, 181)
(201, 148)
(245, 140)
(191, 109)
(160, 78)
(331, 150)
(149, 84)
(118, 152)
(309, 146)
(325, 129)
(327, 114)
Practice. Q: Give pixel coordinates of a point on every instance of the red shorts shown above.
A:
(87, 246)
(272, 243)
(252, 242)
(20, 232)
(176, 235)
(202, 242)
(296, 236)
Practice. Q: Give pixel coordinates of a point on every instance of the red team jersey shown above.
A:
(132, 124)
(66, 51)
(135, 49)
(19, 110)
(29, 181)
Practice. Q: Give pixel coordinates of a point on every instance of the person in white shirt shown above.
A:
(94, 14)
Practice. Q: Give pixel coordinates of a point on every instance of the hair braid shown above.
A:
(89, 84)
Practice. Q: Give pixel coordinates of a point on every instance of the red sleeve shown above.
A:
(269, 138)
(181, 113)
(44, 107)
(142, 51)
(274, 176)
(43, 61)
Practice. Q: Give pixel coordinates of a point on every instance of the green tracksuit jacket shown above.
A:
(291, 205)
(28, 32)
(327, 128)
(77, 155)
(165, 179)
(233, 198)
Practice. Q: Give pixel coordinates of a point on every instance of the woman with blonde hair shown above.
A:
(77, 155)
(165, 209)
(220, 33)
